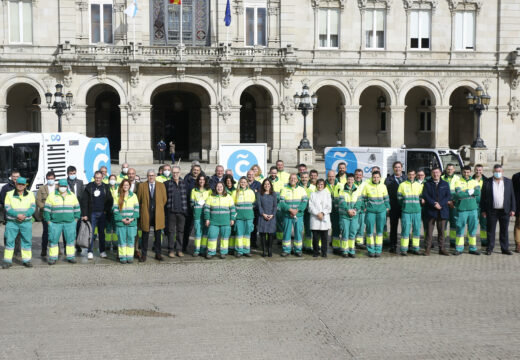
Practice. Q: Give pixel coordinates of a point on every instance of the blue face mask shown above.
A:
(497, 175)
(72, 177)
(50, 182)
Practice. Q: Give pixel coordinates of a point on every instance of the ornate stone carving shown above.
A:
(442, 84)
(514, 108)
(288, 74)
(134, 108)
(306, 81)
(514, 83)
(134, 76)
(486, 83)
(67, 75)
(351, 83)
(101, 73)
(224, 108)
(226, 76)
(410, 4)
(363, 3)
(453, 4)
(398, 82)
(49, 82)
(82, 5)
(287, 108)
(257, 72)
(181, 72)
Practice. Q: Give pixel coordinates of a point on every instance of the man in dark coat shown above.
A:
(436, 194)
(498, 204)
(392, 183)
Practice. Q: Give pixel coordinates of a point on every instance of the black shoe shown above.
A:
(72, 261)
(361, 246)
(222, 256)
(324, 255)
(353, 256)
(315, 255)
(392, 251)
(452, 246)
(284, 254)
(298, 254)
(507, 252)
(28, 264)
(209, 257)
(52, 262)
(345, 255)
(142, 258)
(377, 255)
(6, 265)
(43, 253)
(415, 252)
(238, 255)
(474, 252)
(248, 255)
(159, 257)
(489, 252)
(457, 253)
(372, 255)
(264, 254)
(403, 253)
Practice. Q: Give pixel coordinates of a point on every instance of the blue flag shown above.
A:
(227, 18)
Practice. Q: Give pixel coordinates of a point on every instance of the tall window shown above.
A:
(101, 29)
(420, 25)
(166, 20)
(256, 25)
(375, 29)
(20, 21)
(329, 28)
(465, 30)
(425, 116)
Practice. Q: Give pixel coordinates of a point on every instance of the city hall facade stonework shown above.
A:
(386, 73)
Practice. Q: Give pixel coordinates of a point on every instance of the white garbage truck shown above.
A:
(34, 154)
(365, 158)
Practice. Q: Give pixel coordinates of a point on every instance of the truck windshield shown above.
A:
(6, 163)
(421, 160)
(25, 160)
(451, 158)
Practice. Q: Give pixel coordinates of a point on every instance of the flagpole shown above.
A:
(181, 32)
(133, 30)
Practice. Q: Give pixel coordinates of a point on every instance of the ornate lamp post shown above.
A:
(478, 103)
(59, 103)
(305, 103)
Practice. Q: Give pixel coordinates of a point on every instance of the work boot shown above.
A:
(222, 256)
(238, 255)
(209, 257)
(52, 262)
(404, 253)
(415, 252)
(284, 254)
(299, 254)
(371, 255)
(361, 246)
(353, 256)
(43, 253)
(248, 254)
(6, 265)
(28, 264)
(72, 261)
(474, 252)
(377, 255)
(345, 255)
(457, 253)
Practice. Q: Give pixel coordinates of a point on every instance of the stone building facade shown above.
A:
(386, 72)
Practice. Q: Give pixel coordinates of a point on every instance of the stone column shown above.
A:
(205, 128)
(351, 126)
(442, 127)
(3, 118)
(125, 129)
(49, 120)
(213, 133)
(139, 139)
(75, 119)
(275, 133)
(396, 126)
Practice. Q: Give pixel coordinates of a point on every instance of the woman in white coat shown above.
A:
(320, 207)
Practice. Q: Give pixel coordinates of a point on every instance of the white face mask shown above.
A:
(63, 189)
(125, 170)
(112, 182)
(50, 182)
(166, 173)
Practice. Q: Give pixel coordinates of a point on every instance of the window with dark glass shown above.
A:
(425, 116)
(420, 29)
(101, 22)
(256, 26)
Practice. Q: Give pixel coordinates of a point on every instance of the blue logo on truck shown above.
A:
(240, 162)
(337, 155)
(97, 154)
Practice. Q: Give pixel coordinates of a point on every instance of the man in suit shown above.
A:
(498, 204)
(76, 186)
(152, 200)
(437, 195)
(516, 187)
(392, 183)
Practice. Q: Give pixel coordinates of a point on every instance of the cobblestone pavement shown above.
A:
(389, 308)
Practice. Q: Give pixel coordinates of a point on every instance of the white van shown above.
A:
(367, 157)
(34, 154)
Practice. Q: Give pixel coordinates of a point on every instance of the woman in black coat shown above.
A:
(266, 202)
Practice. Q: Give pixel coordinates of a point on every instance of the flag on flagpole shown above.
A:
(175, 2)
(131, 10)
(227, 17)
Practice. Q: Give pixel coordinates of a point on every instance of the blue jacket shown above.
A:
(431, 194)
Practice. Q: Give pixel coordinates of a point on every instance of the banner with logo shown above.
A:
(241, 157)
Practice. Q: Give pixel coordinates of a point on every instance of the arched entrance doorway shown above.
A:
(374, 117)
(178, 113)
(23, 112)
(104, 116)
(256, 116)
(462, 120)
(328, 118)
(419, 121)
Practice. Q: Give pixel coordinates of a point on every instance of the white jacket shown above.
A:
(320, 202)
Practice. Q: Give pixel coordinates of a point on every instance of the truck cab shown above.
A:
(427, 159)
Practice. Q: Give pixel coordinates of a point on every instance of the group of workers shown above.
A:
(300, 210)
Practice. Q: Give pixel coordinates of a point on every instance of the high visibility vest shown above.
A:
(284, 176)
(15, 204)
(61, 208)
(277, 184)
(121, 177)
(293, 198)
(452, 181)
(130, 209)
(376, 197)
(244, 200)
(409, 196)
(162, 179)
(349, 199)
(463, 200)
(220, 210)
(198, 200)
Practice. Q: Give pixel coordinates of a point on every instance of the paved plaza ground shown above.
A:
(390, 308)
